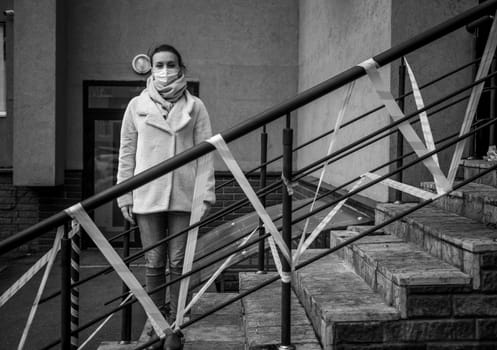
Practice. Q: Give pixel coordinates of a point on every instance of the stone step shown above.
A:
(342, 307)
(474, 201)
(223, 330)
(473, 167)
(408, 278)
(262, 312)
(462, 242)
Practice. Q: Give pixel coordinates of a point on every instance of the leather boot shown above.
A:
(174, 341)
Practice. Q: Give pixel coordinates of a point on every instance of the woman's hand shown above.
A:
(127, 211)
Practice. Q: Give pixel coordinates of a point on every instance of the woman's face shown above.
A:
(165, 59)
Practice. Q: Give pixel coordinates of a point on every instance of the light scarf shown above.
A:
(166, 97)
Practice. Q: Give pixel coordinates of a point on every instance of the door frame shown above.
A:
(90, 115)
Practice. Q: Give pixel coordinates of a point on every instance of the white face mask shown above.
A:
(164, 76)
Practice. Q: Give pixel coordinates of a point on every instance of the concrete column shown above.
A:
(38, 151)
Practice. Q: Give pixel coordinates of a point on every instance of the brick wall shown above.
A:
(22, 207)
(18, 209)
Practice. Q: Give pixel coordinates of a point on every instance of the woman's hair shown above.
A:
(167, 48)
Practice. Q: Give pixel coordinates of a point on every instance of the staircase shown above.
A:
(427, 281)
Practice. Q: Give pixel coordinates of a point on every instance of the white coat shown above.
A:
(147, 138)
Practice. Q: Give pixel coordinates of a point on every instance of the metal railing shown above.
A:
(260, 121)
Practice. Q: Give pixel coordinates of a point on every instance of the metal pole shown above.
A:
(75, 257)
(127, 311)
(286, 334)
(400, 138)
(262, 183)
(493, 104)
(65, 299)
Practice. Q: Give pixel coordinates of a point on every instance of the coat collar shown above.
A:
(179, 116)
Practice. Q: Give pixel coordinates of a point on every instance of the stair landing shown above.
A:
(262, 311)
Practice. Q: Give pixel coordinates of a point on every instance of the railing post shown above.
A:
(400, 138)
(262, 184)
(75, 259)
(286, 335)
(65, 297)
(127, 311)
(493, 104)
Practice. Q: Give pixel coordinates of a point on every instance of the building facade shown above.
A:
(67, 77)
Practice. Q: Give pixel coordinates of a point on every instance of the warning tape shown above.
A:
(157, 320)
(25, 278)
(370, 66)
(423, 116)
(196, 213)
(34, 307)
(474, 98)
(275, 239)
(338, 124)
(320, 227)
(414, 191)
(104, 322)
(215, 275)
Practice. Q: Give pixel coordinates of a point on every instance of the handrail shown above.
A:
(302, 217)
(253, 123)
(330, 250)
(350, 240)
(299, 174)
(326, 194)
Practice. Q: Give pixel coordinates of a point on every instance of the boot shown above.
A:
(159, 345)
(174, 340)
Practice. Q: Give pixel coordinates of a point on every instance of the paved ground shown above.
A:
(45, 327)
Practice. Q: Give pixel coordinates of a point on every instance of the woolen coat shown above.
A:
(148, 138)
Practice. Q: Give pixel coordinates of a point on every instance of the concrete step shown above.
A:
(472, 167)
(408, 278)
(262, 312)
(462, 242)
(343, 309)
(222, 330)
(474, 201)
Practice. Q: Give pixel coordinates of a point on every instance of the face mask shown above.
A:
(164, 76)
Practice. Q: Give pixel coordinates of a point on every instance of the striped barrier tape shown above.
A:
(101, 325)
(34, 307)
(474, 98)
(325, 221)
(157, 320)
(215, 275)
(423, 116)
(414, 191)
(25, 278)
(276, 238)
(196, 213)
(334, 135)
(370, 66)
(75, 256)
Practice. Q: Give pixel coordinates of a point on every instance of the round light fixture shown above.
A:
(141, 64)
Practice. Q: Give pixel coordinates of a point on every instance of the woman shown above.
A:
(164, 120)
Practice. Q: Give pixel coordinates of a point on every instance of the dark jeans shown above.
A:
(154, 227)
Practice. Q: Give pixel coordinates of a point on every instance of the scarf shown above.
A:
(165, 98)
